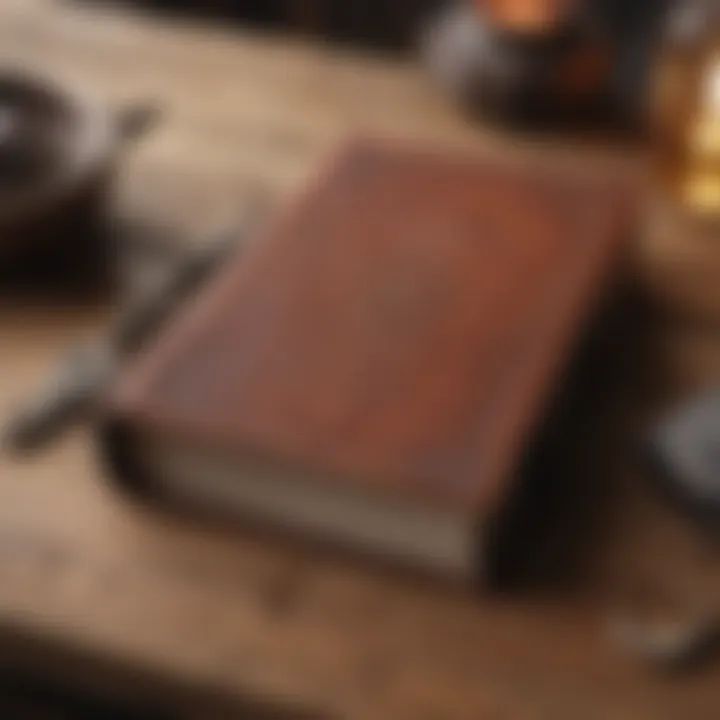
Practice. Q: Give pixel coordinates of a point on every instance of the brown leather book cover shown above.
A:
(400, 329)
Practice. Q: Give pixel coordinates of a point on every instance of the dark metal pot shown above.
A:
(58, 151)
(521, 75)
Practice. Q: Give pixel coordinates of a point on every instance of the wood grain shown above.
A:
(99, 590)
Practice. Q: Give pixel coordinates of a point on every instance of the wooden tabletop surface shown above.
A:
(97, 589)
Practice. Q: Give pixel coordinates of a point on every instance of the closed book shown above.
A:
(372, 370)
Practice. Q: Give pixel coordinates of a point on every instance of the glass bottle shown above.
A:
(686, 108)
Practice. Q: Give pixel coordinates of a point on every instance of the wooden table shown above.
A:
(101, 592)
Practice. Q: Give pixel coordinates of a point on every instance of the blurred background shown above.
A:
(142, 144)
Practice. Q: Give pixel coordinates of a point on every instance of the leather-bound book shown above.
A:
(372, 371)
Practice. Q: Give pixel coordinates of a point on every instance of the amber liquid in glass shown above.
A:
(687, 114)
